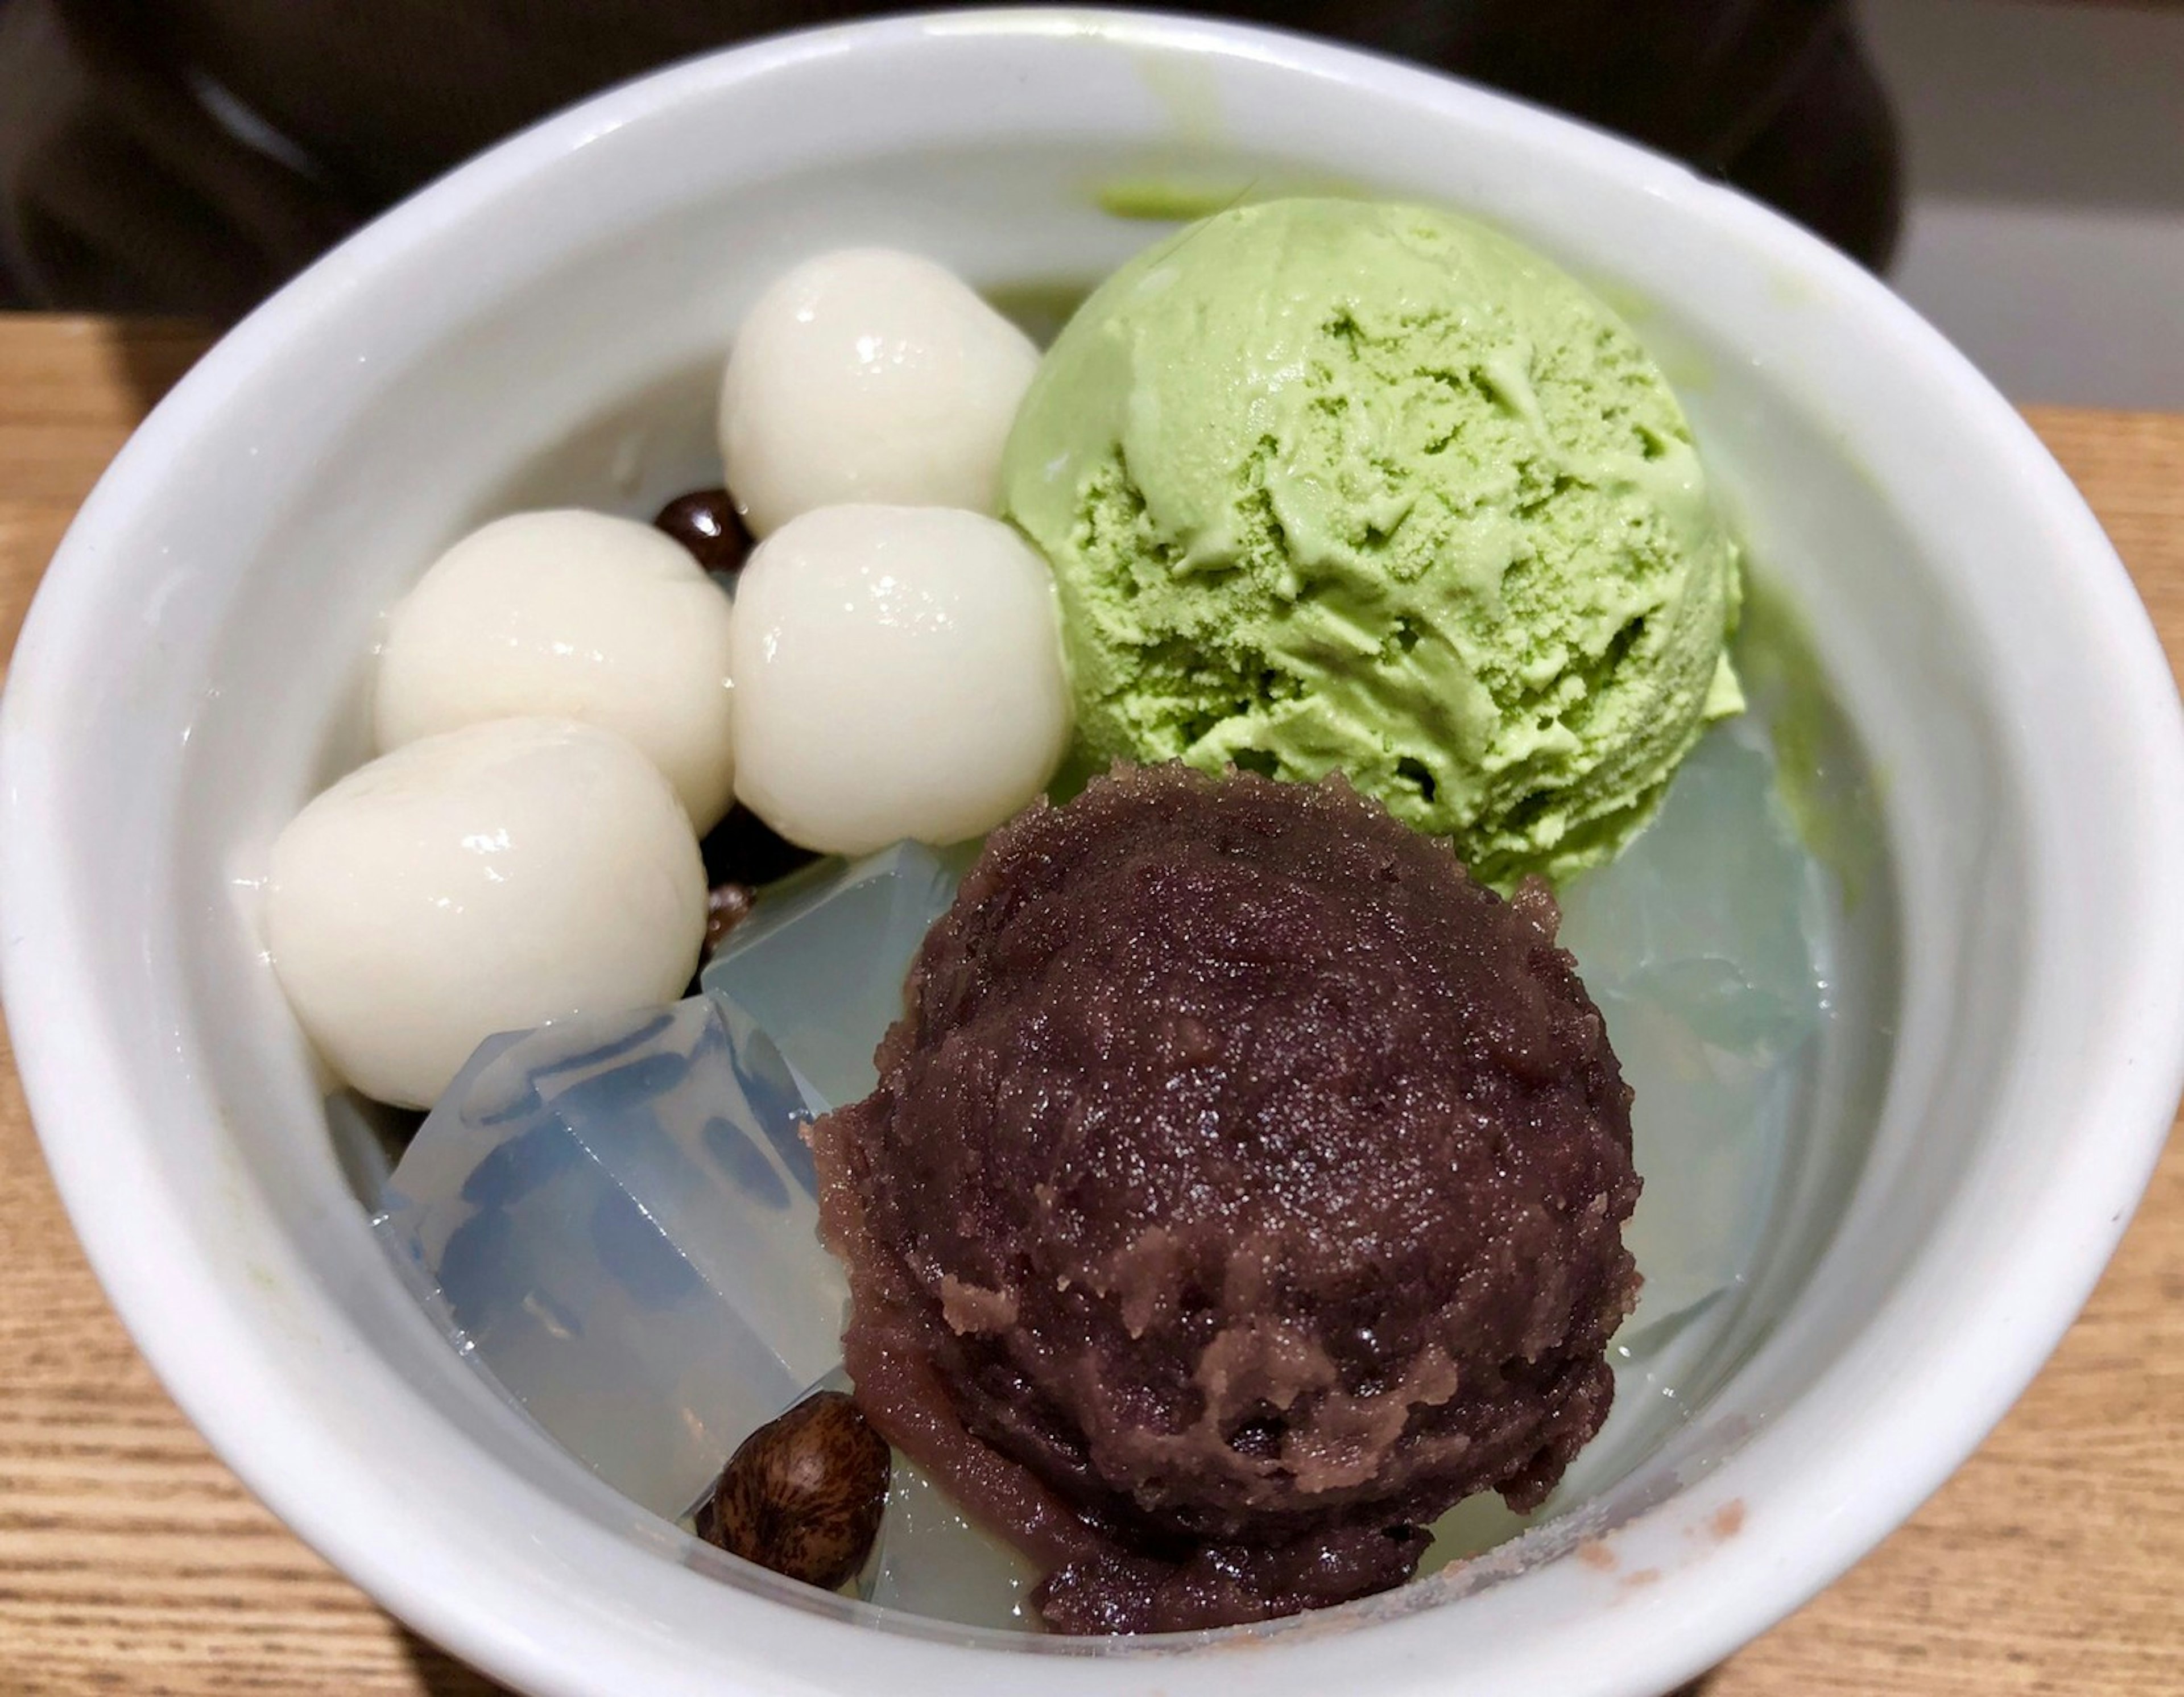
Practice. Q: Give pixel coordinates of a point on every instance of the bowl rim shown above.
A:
(1823, 1516)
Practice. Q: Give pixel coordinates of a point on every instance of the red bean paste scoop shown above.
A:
(1244, 1186)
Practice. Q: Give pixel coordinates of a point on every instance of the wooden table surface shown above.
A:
(131, 1560)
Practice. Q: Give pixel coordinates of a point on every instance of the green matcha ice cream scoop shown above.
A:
(1330, 485)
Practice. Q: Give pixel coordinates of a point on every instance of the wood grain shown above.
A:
(130, 1560)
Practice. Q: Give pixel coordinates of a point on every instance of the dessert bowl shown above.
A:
(1998, 780)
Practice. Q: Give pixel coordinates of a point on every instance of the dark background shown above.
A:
(186, 156)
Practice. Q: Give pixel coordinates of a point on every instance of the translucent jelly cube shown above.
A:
(620, 1217)
(1706, 945)
(1700, 949)
(820, 965)
(1700, 945)
(1716, 909)
(932, 1560)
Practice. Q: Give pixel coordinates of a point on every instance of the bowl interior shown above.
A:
(592, 383)
(545, 328)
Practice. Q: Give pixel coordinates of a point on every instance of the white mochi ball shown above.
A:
(574, 615)
(869, 375)
(898, 673)
(490, 879)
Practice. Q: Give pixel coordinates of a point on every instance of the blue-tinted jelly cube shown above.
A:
(620, 1217)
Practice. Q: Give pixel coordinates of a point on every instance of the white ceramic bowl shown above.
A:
(543, 325)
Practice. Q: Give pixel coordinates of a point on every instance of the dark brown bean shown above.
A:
(726, 907)
(705, 521)
(804, 1493)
